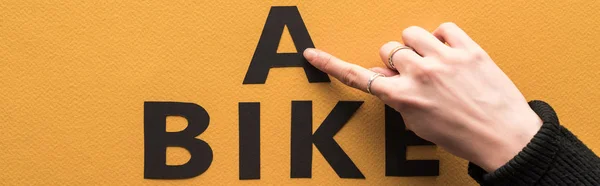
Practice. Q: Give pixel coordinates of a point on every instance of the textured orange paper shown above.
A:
(74, 76)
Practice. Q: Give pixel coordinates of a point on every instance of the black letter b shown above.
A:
(156, 140)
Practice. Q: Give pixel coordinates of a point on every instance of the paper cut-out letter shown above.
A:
(302, 139)
(397, 138)
(249, 131)
(266, 56)
(156, 140)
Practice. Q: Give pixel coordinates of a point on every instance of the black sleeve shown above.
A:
(553, 157)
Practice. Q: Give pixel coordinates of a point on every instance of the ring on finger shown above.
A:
(373, 77)
(391, 56)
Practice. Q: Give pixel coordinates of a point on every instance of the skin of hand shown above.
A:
(449, 92)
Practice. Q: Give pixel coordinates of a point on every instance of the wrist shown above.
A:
(505, 145)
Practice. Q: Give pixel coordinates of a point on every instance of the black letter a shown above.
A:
(266, 56)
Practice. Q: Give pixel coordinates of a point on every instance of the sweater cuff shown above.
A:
(527, 167)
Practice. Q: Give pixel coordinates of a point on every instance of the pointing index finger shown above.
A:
(348, 73)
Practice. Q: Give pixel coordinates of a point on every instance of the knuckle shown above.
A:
(387, 94)
(426, 71)
(478, 55)
(448, 54)
(394, 98)
(397, 98)
(349, 76)
(456, 57)
(472, 56)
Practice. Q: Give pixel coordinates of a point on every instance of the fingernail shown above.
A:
(310, 53)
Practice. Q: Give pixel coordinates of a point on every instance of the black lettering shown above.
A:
(302, 139)
(397, 138)
(266, 56)
(156, 140)
(249, 131)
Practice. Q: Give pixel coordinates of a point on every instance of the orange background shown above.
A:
(74, 76)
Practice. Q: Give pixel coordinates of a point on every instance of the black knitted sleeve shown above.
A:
(553, 157)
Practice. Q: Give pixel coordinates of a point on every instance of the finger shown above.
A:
(454, 36)
(348, 73)
(403, 60)
(423, 42)
(385, 71)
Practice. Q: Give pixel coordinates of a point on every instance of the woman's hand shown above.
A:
(453, 95)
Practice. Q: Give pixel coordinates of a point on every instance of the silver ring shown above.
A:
(398, 48)
(375, 76)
